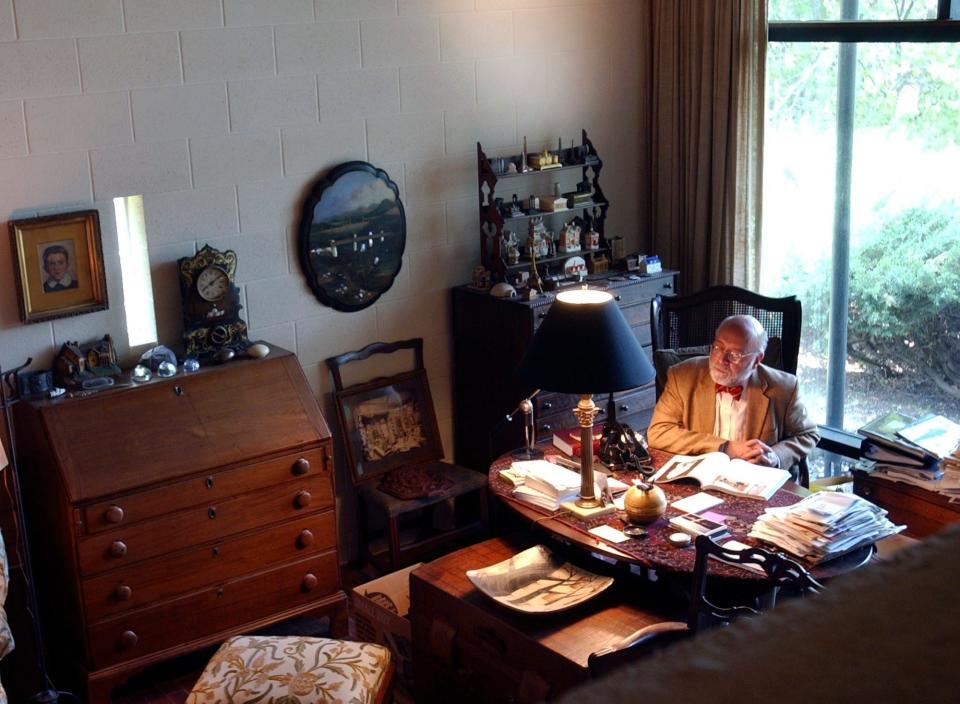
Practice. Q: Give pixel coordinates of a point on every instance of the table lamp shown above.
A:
(584, 347)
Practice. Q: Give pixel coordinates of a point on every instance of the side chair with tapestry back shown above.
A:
(683, 326)
(393, 447)
(779, 571)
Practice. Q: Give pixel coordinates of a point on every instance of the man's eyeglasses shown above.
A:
(732, 357)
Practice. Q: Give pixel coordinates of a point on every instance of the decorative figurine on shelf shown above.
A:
(70, 365)
(545, 160)
(511, 168)
(597, 264)
(569, 238)
(534, 281)
(515, 210)
(538, 237)
(592, 239)
(513, 254)
(102, 358)
(481, 278)
(618, 250)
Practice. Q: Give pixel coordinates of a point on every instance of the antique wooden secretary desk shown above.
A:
(169, 515)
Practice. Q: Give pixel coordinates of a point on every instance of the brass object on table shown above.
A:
(644, 503)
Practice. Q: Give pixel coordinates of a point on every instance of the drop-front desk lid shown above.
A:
(123, 438)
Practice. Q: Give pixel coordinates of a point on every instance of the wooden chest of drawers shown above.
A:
(167, 516)
(490, 337)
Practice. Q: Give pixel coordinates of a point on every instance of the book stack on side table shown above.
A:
(919, 451)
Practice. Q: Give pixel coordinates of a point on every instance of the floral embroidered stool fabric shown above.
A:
(6, 637)
(294, 670)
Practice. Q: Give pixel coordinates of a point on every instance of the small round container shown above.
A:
(680, 540)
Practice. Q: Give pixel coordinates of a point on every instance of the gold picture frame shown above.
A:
(58, 262)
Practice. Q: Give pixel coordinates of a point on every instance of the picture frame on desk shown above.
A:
(58, 263)
(387, 424)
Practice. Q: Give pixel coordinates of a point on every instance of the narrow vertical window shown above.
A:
(135, 270)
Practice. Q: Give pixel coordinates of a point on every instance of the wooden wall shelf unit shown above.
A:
(169, 515)
(490, 337)
(491, 171)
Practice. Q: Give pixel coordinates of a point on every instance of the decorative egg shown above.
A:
(644, 503)
(258, 350)
(224, 354)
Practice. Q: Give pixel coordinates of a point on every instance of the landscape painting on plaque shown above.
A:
(352, 235)
(58, 264)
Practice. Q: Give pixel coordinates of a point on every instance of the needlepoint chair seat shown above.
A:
(294, 670)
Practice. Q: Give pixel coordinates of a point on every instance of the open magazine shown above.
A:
(715, 470)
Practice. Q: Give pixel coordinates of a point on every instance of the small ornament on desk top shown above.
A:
(258, 350)
(190, 365)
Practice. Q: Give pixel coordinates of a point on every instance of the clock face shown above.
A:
(213, 283)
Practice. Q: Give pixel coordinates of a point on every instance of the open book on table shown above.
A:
(715, 470)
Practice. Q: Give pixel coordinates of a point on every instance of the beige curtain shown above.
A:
(702, 122)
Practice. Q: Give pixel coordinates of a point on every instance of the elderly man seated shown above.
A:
(731, 402)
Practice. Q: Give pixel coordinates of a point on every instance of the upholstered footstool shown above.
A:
(294, 670)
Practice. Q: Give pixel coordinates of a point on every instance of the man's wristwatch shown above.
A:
(723, 446)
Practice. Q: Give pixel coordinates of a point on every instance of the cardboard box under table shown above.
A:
(380, 609)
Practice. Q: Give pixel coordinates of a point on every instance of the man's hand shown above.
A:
(754, 451)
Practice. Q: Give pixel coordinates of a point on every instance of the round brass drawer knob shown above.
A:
(309, 582)
(118, 548)
(128, 639)
(305, 539)
(301, 466)
(114, 514)
(123, 592)
(302, 500)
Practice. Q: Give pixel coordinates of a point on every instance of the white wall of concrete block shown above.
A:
(222, 113)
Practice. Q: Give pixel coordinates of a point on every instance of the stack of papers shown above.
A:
(823, 526)
(547, 485)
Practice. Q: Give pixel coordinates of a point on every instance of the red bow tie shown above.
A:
(734, 391)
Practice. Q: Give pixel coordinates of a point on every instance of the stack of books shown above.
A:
(920, 451)
(823, 526)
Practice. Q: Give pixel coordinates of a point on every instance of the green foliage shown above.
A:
(904, 305)
(902, 87)
(904, 316)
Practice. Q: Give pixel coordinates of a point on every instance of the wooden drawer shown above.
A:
(218, 519)
(644, 291)
(212, 610)
(629, 403)
(124, 510)
(164, 577)
(121, 511)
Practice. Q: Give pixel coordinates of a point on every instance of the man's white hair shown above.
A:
(750, 325)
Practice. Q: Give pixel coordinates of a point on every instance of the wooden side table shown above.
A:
(924, 512)
(467, 646)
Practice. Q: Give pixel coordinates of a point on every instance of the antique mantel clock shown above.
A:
(211, 302)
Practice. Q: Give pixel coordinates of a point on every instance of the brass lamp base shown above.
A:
(585, 412)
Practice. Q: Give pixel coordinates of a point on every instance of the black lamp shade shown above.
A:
(585, 346)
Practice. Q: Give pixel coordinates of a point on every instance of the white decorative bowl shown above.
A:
(535, 581)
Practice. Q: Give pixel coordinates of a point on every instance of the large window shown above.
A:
(861, 211)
